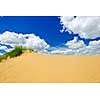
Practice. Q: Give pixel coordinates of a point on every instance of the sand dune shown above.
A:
(33, 67)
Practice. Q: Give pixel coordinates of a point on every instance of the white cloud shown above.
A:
(12, 38)
(85, 26)
(73, 47)
(75, 43)
(3, 48)
(36, 43)
(27, 40)
(77, 47)
(1, 53)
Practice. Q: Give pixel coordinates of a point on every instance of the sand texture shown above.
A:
(33, 67)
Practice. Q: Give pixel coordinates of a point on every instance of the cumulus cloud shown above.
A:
(73, 47)
(3, 48)
(86, 26)
(11, 38)
(36, 43)
(27, 40)
(75, 43)
(77, 47)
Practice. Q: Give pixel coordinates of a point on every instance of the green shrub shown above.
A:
(2, 57)
(16, 52)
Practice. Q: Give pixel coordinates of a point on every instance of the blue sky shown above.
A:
(49, 28)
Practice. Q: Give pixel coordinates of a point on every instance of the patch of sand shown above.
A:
(33, 67)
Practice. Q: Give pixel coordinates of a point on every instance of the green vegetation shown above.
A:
(16, 52)
(2, 57)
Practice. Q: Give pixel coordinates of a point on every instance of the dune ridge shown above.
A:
(34, 67)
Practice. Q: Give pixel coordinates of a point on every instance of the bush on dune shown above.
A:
(16, 52)
(2, 57)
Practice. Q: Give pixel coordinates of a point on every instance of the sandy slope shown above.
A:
(32, 67)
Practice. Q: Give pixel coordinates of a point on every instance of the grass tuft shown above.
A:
(14, 53)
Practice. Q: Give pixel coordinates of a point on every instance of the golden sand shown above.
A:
(33, 67)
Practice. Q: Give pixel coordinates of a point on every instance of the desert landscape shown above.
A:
(35, 67)
(50, 49)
